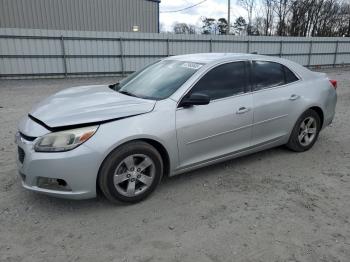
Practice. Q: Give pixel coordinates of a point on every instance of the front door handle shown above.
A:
(293, 97)
(242, 110)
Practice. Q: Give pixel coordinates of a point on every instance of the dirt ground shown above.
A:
(274, 205)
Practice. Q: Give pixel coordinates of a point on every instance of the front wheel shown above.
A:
(131, 172)
(305, 131)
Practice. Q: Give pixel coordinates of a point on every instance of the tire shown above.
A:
(131, 172)
(298, 141)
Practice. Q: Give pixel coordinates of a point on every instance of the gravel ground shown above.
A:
(274, 205)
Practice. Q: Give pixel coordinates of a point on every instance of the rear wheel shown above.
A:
(131, 172)
(305, 131)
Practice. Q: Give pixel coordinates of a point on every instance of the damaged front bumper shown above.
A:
(70, 174)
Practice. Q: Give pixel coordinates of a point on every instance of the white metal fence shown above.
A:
(51, 53)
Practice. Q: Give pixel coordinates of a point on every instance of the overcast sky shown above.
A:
(210, 8)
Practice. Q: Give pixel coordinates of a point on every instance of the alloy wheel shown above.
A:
(307, 131)
(134, 175)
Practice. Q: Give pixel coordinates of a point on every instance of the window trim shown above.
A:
(252, 80)
(247, 88)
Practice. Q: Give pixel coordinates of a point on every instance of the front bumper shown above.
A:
(78, 168)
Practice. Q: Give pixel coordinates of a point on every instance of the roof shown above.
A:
(211, 57)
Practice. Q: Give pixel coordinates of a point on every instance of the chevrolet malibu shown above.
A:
(173, 116)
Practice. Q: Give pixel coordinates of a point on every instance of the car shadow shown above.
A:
(242, 160)
(168, 183)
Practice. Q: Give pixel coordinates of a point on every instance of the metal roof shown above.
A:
(211, 57)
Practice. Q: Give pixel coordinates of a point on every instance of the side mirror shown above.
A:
(195, 99)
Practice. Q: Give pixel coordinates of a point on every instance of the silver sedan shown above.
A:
(173, 116)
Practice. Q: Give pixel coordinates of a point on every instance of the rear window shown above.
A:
(271, 74)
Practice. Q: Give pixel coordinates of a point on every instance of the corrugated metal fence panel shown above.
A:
(35, 52)
(135, 50)
(296, 51)
(92, 15)
(343, 47)
(32, 48)
(181, 44)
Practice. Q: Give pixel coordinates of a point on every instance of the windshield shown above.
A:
(159, 80)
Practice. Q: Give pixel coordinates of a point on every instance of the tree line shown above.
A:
(281, 18)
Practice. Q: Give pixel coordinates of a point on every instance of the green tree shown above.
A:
(183, 28)
(208, 26)
(222, 26)
(240, 25)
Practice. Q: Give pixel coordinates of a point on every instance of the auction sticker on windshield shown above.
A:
(192, 65)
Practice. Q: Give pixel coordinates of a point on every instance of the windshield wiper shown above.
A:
(127, 93)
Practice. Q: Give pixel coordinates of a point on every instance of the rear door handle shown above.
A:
(242, 110)
(293, 97)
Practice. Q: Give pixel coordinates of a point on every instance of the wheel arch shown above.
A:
(162, 151)
(320, 113)
(156, 144)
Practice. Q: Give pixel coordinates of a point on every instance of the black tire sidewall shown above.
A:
(118, 155)
(294, 142)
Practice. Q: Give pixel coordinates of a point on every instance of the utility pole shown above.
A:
(228, 17)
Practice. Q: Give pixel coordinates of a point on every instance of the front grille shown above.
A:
(21, 154)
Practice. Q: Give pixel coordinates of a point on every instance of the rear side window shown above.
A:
(270, 74)
(290, 76)
(223, 81)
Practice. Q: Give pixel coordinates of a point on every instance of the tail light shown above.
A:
(334, 83)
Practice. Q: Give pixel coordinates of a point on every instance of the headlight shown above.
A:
(64, 140)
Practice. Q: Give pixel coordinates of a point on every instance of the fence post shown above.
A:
(63, 49)
(211, 45)
(310, 53)
(121, 55)
(167, 47)
(335, 53)
(281, 48)
(248, 46)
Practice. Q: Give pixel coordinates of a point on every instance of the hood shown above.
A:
(88, 104)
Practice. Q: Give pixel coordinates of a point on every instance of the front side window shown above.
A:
(270, 74)
(159, 80)
(223, 81)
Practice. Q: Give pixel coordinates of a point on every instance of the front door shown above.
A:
(207, 132)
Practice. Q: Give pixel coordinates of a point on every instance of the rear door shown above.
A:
(274, 99)
(207, 132)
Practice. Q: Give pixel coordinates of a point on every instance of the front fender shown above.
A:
(158, 125)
